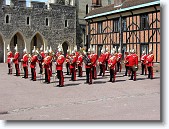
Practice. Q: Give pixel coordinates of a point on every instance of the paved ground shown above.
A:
(22, 99)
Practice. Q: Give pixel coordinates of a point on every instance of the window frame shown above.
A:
(66, 23)
(116, 25)
(144, 22)
(9, 22)
(47, 25)
(99, 27)
(27, 20)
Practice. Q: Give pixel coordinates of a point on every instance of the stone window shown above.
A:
(47, 21)
(116, 25)
(144, 22)
(124, 24)
(28, 20)
(99, 27)
(7, 18)
(66, 23)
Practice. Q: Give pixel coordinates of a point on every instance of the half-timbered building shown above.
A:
(128, 24)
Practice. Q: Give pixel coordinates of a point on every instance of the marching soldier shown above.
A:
(149, 63)
(16, 61)
(87, 58)
(119, 58)
(133, 64)
(47, 66)
(25, 63)
(59, 67)
(112, 64)
(80, 64)
(107, 56)
(101, 62)
(126, 62)
(42, 54)
(143, 63)
(73, 60)
(9, 59)
(68, 62)
(34, 59)
(94, 59)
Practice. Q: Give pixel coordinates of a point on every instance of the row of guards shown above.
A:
(74, 60)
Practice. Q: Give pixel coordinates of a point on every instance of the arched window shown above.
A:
(7, 18)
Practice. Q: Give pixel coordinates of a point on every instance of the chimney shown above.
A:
(96, 4)
(118, 3)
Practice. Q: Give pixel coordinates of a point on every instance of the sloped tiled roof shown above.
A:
(126, 4)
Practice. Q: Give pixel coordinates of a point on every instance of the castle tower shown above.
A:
(96, 4)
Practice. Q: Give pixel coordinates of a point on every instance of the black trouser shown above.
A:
(17, 69)
(132, 73)
(88, 70)
(40, 66)
(150, 72)
(112, 72)
(25, 70)
(127, 67)
(67, 67)
(80, 71)
(143, 68)
(9, 68)
(32, 73)
(59, 75)
(118, 66)
(101, 69)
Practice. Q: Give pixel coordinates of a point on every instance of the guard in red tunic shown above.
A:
(80, 64)
(47, 66)
(16, 61)
(9, 60)
(68, 62)
(34, 59)
(73, 60)
(149, 63)
(101, 62)
(94, 59)
(42, 54)
(87, 58)
(133, 64)
(143, 63)
(59, 67)
(126, 62)
(112, 64)
(24, 61)
(107, 56)
(119, 58)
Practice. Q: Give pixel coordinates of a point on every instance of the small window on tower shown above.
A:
(27, 20)
(7, 18)
(66, 23)
(47, 21)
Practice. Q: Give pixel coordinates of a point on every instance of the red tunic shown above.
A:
(47, 61)
(133, 60)
(43, 55)
(102, 59)
(73, 62)
(9, 56)
(119, 55)
(16, 58)
(59, 62)
(33, 61)
(25, 60)
(91, 60)
(107, 54)
(112, 62)
(143, 58)
(94, 58)
(149, 60)
(67, 59)
(126, 60)
(80, 60)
